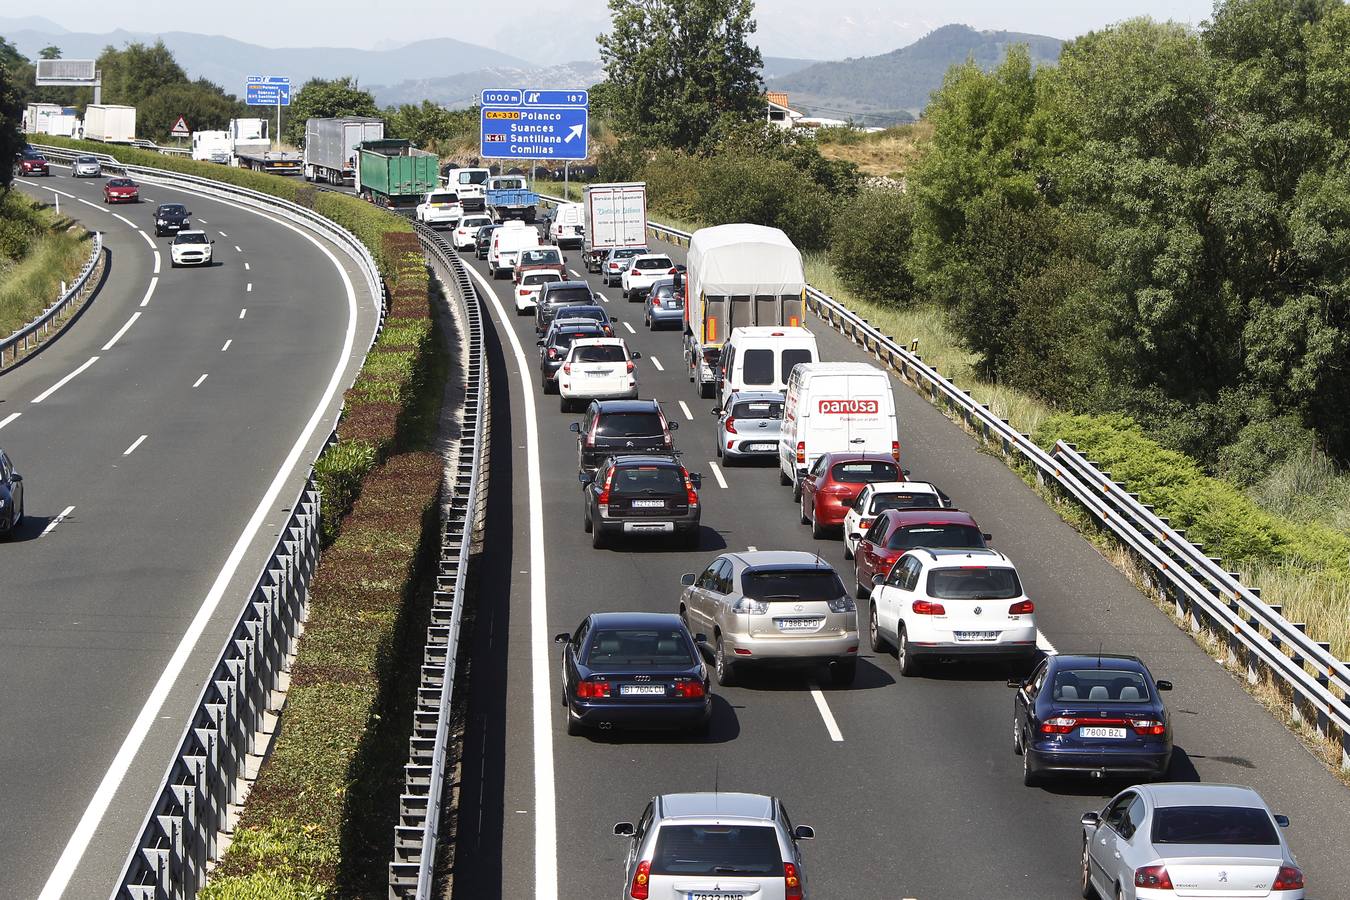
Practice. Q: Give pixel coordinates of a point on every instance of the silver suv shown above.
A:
(773, 607)
(719, 845)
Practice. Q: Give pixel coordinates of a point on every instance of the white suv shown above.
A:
(714, 845)
(642, 272)
(941, 604)
(466, 232)
(597, 369)
(440, 209)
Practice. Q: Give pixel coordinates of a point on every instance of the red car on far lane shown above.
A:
(897, 530)
(834, 482)
(121, 190)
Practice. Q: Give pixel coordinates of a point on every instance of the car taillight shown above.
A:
(656, 301)
(865, 524)
(895, 450)
(690, 494)
(673, 272)
(630, 366)
(1148, 727)
(792, 882)
(1022, 608)
(1059, 725)
(567, 368)
(638, 890)
(1288, 879)
(689, 689)
(801, 453)
(730, 425)
(590, 439)
(1153, 877)
(928, 608)
(603, 499)
(592, 690)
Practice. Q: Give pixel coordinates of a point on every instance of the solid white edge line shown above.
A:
(56, 191)
(134, 444)
(830, 724)
(227, 345)
(121, 331)
(121, 218)
(147, 238)
(717, 473)
(541, 650)
(656, 362)
(57, 521)
(62, 383)
(93, 814)
(199, 381)
(154, 280)
(9, 418)
(685, 409)
(95, 206)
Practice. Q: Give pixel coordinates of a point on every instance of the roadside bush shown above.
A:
(673, 180)
(1262, 446)
(624, 161)
(870, 245)
(767, 192)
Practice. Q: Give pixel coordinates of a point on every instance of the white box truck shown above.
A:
(835, 407)
(330, 146)
(212, 146)
(469, 184)
(50, 118)
(109, 123)
(738, 275)
(616, 216)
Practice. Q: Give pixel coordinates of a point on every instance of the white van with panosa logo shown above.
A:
(835, 407)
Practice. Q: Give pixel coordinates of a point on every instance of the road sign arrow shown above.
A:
(574, 132)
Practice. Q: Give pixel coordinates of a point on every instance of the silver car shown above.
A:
(747, 427)
(718, 846)
(1156, 841)
(773, 607)
(664, 305)
(86, 167)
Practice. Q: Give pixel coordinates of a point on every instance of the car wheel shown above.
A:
(817, 530)
(1085, 875)
(844, 672)
(1017, 735)
(859, 592)
(587, 523)
(725, 668)
(874, 639)
(801, 513)
(848, 548)
(783, 478)
(909, 665)
(797, 492)
(597, 537)
(19, 520)
(564, 405)
(718, 448)
(1029, 777)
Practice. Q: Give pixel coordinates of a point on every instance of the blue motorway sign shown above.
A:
(267, 90)
(517, 132)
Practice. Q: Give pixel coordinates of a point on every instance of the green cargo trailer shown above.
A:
(394, 173)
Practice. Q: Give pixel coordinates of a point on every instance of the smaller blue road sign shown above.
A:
(267, 90)
(556, 98)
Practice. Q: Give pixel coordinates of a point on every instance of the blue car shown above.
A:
(1100, 715)
(634, 670)
(665, 305)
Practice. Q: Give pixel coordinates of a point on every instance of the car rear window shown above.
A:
(445, 198)
(792, 358)
(1213, 825)
(629, 252)
(1100, 685)
(726, 850)
(757, 367)
(540, 257)
(570, 295)
(659, 263)
(758, 584)
(974, 583)
(758, 409)
(936, 536)
(634, 646)
(599, 353)
(541, 278)
(647, 479)
(863, 471)
(915, 500)
(629, 424)
(564, 339)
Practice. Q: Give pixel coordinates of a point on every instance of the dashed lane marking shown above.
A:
(154, 280)
(51, 526)
(660, 368)
(62, 383)
(199, 381)
(831, 725)
(9, 418)
(717, 473)
(685, 409)
(134, 444)
(121, 331)
(227, 345)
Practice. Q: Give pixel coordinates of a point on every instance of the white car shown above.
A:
(638, 278)
(86, 167)
(943, 604)
(467, 231)
(597, 369)
(190, 248)
(880, 496)
(527, 291)
(440, 209)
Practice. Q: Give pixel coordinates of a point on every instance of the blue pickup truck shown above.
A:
(509, 197)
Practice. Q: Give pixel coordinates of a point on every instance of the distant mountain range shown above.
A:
(902, 81)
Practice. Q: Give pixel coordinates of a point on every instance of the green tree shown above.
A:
(764, 191)
(429, 125)
(870, 245)
(202, 104)
(137, 72)
(50, 52)
(322, 98)
(680, 70)
(11, 117)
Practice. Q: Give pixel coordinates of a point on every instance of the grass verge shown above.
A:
(39, 249)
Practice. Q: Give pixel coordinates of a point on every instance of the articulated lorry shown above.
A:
(509, 197)
(737, 275)
(393, 173)
(330, 146)
(616, 216)
(109, 123)
(251, 148)
(51, 118)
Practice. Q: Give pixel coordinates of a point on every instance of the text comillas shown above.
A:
(861, 407)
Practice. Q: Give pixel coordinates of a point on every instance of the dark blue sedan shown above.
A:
(634, 670)
(1099, 715)
(11, 497)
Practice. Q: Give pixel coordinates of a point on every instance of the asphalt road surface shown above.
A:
(148, 436)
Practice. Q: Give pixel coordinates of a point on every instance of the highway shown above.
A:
(912, 786)
(149, 436)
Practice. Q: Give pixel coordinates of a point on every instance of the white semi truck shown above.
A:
(616, 216)
(110, 123)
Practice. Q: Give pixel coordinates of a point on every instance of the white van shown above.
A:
(468, 183)
(569, 224)
(507, 242)
(835, 407)
(761, 357)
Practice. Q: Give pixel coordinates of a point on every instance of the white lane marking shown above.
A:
(92, 816)
(147, 238)
(752, 548)
(249, 289)
(223, 234)
(200, 219)
(247, 267)
(199, 381)
(243, 312)
(541, 652)
(629, 327)
(717, 473)
(9, 418)
(830, 724)
(685, 409)
(1044, 645)
(660, 368)
(154, 280)
(134, 444)
(121, 331)
(156, 262)
(122, 218)
(62, 383)
(602, 297)
(574, 273)
(57, 521)
(64, 194)
(227, 345)
(96, 206)
(237, 249)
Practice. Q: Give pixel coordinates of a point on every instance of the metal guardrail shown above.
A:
(31, 334)
(1198, 584)
(417, 836)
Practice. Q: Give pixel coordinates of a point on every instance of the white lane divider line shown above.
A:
(95, 206)
(156, 262)
(685, 409)
(134, 444)
(238, 249)
(830, 724)
(751, 547)
(574, 273)
(62, 383)
(62, 193)
(660, 368)
(243, 312)
(9, 418)
(249, 289)
(604, 298)
(154, 280)
(51, 526)
(121, 218)
(199, 381)
(247, 267)
(227, 345)
(200, 219)
(223, 234)
(1044, 645)
(121, 331)
(717, 473)
(147, 238)
(629, 327)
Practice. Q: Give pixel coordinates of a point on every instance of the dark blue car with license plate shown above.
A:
(1100, 715)
(634, 670)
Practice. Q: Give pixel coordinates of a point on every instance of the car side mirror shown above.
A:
(1281, 820)
(878, 580)
(624, 829)
(635, 354)
(802, 474)
(585, 477)
(539, 343)
(696, 479)
(856, 536)
(987, 536)
(717, 411)
(687, 579)
(16, 477)
(213, 242)
(1015, 683)
(1164, 685)
(674, 426)
(804, 833)
(575, 428)
(904, 472)
(561, 638)
(1090, 820)
(700, 638)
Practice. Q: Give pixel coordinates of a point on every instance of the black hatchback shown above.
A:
(554, 346)
(621, 426)
(482, 240)
(171, 218)
(556, 295)
(633, 496)
(635, 670)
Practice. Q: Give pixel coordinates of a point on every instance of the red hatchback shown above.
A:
(896, 531)
(121, 190)
(32, 163)
(834, 482)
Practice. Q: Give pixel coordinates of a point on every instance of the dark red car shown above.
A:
(31, 162)
(834, 482)
(121, 190)
(898, 530)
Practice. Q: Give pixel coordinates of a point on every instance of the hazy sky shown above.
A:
(562, 30)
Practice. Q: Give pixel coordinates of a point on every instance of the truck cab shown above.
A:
(470, 184)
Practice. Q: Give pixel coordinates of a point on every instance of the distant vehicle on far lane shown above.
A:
(121, 190)
(86, 167)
